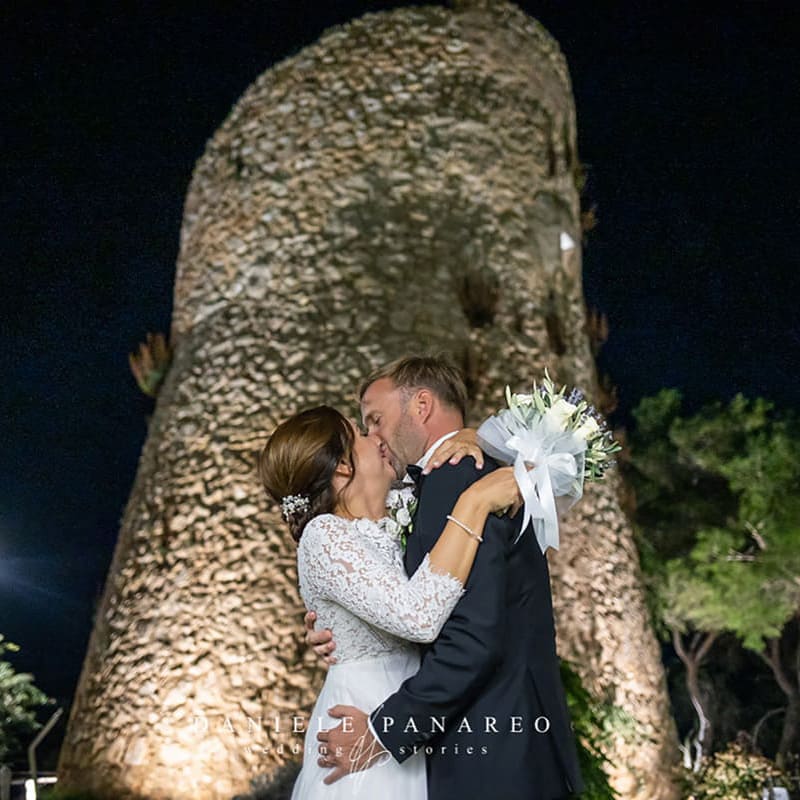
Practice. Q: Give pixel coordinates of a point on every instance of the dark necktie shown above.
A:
(415, 473)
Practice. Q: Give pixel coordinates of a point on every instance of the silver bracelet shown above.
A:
(466, 528)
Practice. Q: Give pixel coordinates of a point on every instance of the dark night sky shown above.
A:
(687, 118)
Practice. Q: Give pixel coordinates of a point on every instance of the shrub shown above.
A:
(733, 774)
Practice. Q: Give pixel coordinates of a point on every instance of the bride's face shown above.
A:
(374, 470)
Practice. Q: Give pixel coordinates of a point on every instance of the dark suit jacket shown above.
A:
(492, 668)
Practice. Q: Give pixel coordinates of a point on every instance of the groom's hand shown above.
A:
(350, 746)
(321, 641)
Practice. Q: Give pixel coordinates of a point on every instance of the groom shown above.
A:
(492, 673)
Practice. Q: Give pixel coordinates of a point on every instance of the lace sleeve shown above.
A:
(350, 571)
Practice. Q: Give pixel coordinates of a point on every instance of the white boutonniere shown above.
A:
(401, 505)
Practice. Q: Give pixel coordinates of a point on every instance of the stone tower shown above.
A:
(407, 182)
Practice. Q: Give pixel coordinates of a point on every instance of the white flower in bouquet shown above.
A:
(587, 428)
(555, 443)
(561, 411)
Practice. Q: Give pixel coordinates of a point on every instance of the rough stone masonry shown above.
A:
(408, 182)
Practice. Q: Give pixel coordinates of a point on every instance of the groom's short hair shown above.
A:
(436, 373)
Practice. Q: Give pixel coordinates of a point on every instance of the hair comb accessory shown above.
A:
(293, 503)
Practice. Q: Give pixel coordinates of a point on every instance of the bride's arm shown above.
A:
(455, 548)
(348, 571)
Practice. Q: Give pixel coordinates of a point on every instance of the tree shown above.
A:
(673, 499)
(19, 700)
(720, 523)
(752, 567)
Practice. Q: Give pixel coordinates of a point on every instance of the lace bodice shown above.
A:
(351, 574)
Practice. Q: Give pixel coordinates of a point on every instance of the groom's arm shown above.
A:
(471, 642)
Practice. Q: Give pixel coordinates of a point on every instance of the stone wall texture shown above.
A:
(406, 183)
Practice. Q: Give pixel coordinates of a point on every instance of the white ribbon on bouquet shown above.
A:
(557, 457)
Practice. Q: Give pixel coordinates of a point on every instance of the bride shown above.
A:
(332, 483)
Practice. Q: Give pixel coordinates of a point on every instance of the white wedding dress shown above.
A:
(351, 573)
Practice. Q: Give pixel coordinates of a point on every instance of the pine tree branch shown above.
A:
(772, 655)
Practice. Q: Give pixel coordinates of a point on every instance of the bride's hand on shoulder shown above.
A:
(452, 450)
(498, 491)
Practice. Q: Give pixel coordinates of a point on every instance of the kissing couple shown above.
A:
(446, 683)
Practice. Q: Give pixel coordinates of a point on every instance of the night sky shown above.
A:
(688, 121)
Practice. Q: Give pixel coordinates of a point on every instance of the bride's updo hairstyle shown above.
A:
(299, 461)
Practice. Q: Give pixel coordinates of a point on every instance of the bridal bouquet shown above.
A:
(563, 438)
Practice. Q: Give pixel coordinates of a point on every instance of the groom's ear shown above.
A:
(423, 404)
